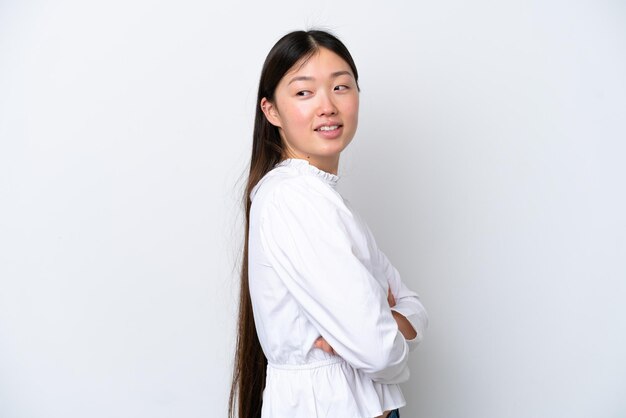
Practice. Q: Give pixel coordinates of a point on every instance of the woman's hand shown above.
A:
(390, 299)
(323, 344)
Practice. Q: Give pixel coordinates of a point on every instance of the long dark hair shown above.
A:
(248, 380)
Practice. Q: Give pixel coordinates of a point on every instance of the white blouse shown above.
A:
(315, 270)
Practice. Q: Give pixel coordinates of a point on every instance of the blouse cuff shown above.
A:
(419, 324)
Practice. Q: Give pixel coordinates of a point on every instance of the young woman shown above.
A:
(325, 323)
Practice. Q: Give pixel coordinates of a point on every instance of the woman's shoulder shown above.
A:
(287, 188)
(294, 176)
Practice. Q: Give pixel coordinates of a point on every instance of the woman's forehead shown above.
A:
(321, 60)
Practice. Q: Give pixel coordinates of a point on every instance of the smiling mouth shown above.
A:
(328, 128)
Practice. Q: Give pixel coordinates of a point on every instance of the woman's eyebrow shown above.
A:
(309, 78)
(338, 73)
(301, 78)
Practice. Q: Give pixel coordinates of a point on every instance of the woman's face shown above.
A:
(316, 107)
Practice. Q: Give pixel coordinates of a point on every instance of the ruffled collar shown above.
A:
(305, 166)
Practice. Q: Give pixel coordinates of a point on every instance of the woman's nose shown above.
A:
(327, 106)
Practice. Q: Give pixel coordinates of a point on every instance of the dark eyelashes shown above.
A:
(341, 87)
(335, 88)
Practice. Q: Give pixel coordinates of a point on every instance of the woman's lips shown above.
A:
(330, 131)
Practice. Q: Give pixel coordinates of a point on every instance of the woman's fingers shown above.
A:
(323, 344)
(390, 298)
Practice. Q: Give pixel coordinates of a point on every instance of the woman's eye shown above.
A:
(303, 93)
(342, 87)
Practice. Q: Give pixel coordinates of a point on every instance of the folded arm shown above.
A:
(313, 242)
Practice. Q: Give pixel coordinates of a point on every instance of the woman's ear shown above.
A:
(270, 112)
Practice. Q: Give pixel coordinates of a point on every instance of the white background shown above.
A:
(489, 162)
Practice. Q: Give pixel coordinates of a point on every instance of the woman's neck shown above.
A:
(328, 164)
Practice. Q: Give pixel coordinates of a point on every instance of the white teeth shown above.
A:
(328, 128)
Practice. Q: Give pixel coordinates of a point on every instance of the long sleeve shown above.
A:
(408, 303)
(321, 253)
